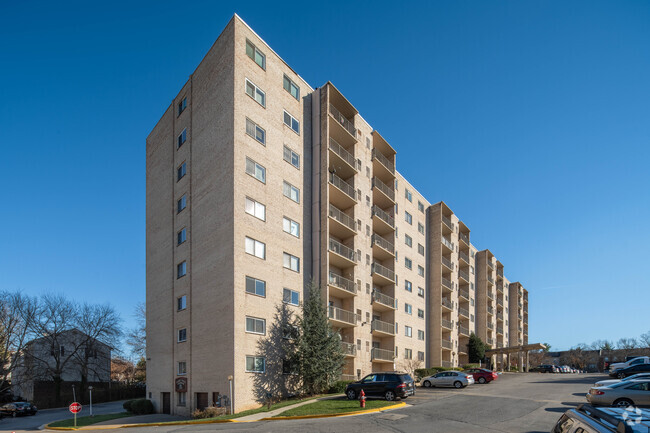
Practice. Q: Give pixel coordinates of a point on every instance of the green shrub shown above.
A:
(209, 412)
(127, 405)
(338, 386)
(141, 406)
(468, 366)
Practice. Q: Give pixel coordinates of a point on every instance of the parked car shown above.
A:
(457, 379)
(613, 381)
(389, 385)
(629, 371)
(634, 361)
(622, 394)
(18, 408)
(482, 375)
(545, 368)
(588, 419)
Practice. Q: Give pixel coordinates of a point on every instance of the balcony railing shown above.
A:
(490, 326)
(490, 279)
(463, 330)
(344, 154)
(490, 265)
(447, 324)
(499, 345)
(446, 242)
(499, 330)
(382, 354)
(342, 250)
(342, 185)
(342, 217)
(342, 315)
(500, 316)
(448, 223)
(344, 121)
(447, 303)
(463, 237)
(500, 272)
(383, 215)
(349, 348)
(490, 341)
(383, 243)
(464, 274)
(381, 186)
(383, 271)
(447, 283)
(490, 310)
(463, 312)
(379, 297)
(384, 161)
(385, 327)
(499, 287)
(490, 295)
(463, 256)
(447, 262)
(342, 283)
(447, 344)
(463, 293)
(500, 301)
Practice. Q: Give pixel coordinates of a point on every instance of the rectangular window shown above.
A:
(255, 325)
(471, 269)
(421, 249)
(291, 157)
(182, 335)
(420, 313)
(181, 269)
(291, 191)
(255, 54)
(255, 131)
(292, 122)
(421, 228)
(182, 105)
(181, 204)
(255, 286)
(255, 208)
(291, 227)
(182, 137)
(408, 285)
(408, 354)
(256, 170)
(420, 292)
(408, 263)
(181, 303)
(408, 195)
(408, 240)
(290, 297)
(255, 364)
(420, 334)
(256, 248)
(471, 317)
(182, 398)
(256, 93)
(420, 356)
(471, 286)
(408, 217)
(291, 262)
(291, 87)
(181, 171)
(408, 308)
(182, 368)
(408, 331)
(181, 236)
(420, 271)
(421, 206)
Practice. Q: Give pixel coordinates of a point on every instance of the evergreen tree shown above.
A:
(475, 349)
(319, 354)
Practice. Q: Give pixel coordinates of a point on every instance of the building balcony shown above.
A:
(382, 302)
(500, 301)
(382, 328)
(447, 225)
(382, 248)
(382, 194)
(464, 275)
(382, 166)
(447, 324)
(463, 256)
(500, 316)
(345, 123)
(490, 296)
(342, 160)
(499, 345)
(499, 330)
(342, 225)
(447, 344)
(349, 349)
(490, 310)
(381, 275)
(490, 326)
(447, 263)
(500, 272)
(382, 355)
(447, 284)
(464, 238)
(462, 330)
(446, 364)
(463, 312)
(340, 255)
(342, 318)
(490, 341)
(382, 221)
(447, 304)
(342, 194)
(341, 287)
(490, 279)
(500, 287)
(464, 294)
(449, 245)
(490, 265)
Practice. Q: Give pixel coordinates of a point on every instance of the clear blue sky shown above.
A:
(529, 118)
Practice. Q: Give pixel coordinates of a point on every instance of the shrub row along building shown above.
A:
(256, 184)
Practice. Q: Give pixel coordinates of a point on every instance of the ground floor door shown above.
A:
(201, 400)
(166, 403)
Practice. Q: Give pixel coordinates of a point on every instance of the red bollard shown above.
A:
(362, 398)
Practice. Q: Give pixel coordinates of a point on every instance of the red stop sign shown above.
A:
(75, 407)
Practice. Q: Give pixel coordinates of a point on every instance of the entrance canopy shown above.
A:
(515, 349)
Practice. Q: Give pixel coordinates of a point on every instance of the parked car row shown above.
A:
(631, 386)
(459, 379)
(549, 368)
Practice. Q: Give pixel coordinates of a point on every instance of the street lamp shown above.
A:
(230, 381)
(90, 388)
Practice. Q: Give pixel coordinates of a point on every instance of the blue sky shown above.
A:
(528, 118)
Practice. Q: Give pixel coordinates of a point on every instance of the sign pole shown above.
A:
(75, 420)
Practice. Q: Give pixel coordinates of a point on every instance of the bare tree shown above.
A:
(410, 365)
(17, 313)
(644, 340)
(137, 337)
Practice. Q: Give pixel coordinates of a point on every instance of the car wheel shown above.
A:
(621, 375)
(623, 402)
(351, 394)
(390, 396)
(458, 384)
(426, 384)
(481, 380)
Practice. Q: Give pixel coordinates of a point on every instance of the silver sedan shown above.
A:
(622, 394)
(457, 379)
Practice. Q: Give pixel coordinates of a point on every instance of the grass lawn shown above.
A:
(88, 420)
(334, 406)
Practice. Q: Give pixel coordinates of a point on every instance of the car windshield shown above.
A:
(22, 404)
(405, 378)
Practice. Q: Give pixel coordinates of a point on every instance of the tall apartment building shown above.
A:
(258, 184)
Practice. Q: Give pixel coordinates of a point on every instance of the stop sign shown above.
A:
(75, 407)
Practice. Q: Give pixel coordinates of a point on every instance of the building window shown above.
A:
(255, 208)
(408, 331)
(181, 236)
(408, 263)
(408, 285)
(471, 317)
(291, 87)
(182, 105)
(408, 308)
(181, 269)
(182, 137)
(421, 249)
(182, 398)
(408, 354)
(255, 131)
(181, 204)
(421, 206)
(255, 325)
(420, 271)
(292, 122)
(255, 286)
(182, 335)
(256, 93)
(421, 228)
(181, 303)
(291, 191)
(471, 286)
(255, 54)
(291, 157)
(471, 269)
(408, 195)
(420, 313)
(291, 262)
(255, 248)
(255, 364)
(181, 171)
(420, 292)
(420, 335)
(368, 172)
(291, 227)
(420, 356)
(471, 301)
(255, 170)
(291, 297)
(182, 368)
(408, 217)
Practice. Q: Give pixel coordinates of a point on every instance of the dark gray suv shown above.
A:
(389, 385)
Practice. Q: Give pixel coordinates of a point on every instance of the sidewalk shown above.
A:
(272, 413)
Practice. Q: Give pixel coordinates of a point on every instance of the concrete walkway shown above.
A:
(272, 413)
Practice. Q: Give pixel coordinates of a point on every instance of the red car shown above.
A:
(482, 375)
